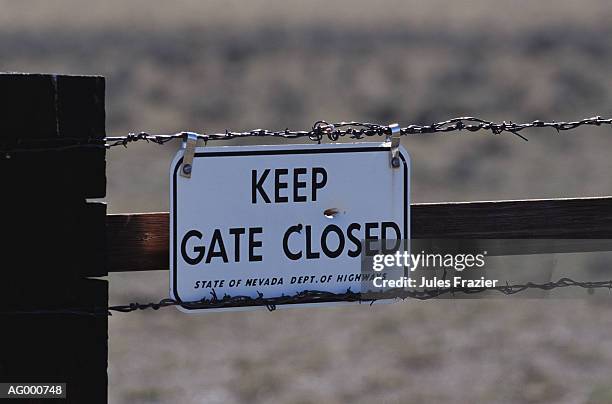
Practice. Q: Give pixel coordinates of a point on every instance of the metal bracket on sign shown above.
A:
(191, 141)
(395, 143)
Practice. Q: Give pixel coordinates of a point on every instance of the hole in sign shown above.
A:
(331, 212)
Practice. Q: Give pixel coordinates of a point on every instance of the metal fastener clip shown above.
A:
(395, 142)
(191, 141)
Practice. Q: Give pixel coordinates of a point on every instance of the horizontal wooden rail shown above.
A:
(139, 241)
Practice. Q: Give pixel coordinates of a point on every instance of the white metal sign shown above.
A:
(278, 220)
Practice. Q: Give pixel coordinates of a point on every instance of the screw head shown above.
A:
(187, 168)
(395, 162)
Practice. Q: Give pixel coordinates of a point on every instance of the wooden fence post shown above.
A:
(53, 239)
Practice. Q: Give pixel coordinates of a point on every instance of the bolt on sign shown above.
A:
(274, 221)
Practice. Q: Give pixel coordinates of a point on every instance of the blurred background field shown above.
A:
(211, 66)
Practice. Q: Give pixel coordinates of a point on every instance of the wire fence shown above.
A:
(313, 296)
(320, 130)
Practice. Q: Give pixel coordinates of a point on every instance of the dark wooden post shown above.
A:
(52, 238)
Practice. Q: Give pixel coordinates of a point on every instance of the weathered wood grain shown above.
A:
(139, 242)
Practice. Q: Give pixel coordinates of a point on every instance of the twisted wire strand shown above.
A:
(313, 296)
(320, 130)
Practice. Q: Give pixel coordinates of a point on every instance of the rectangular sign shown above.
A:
(274, 221)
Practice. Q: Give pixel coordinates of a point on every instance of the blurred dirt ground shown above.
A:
(210, 66)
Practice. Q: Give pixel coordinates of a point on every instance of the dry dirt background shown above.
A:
(210, 66)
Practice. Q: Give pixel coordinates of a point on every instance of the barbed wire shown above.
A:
(310, 296)
(314, 296)
(320, 130)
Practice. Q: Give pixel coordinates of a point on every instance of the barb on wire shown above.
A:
(320, 130)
